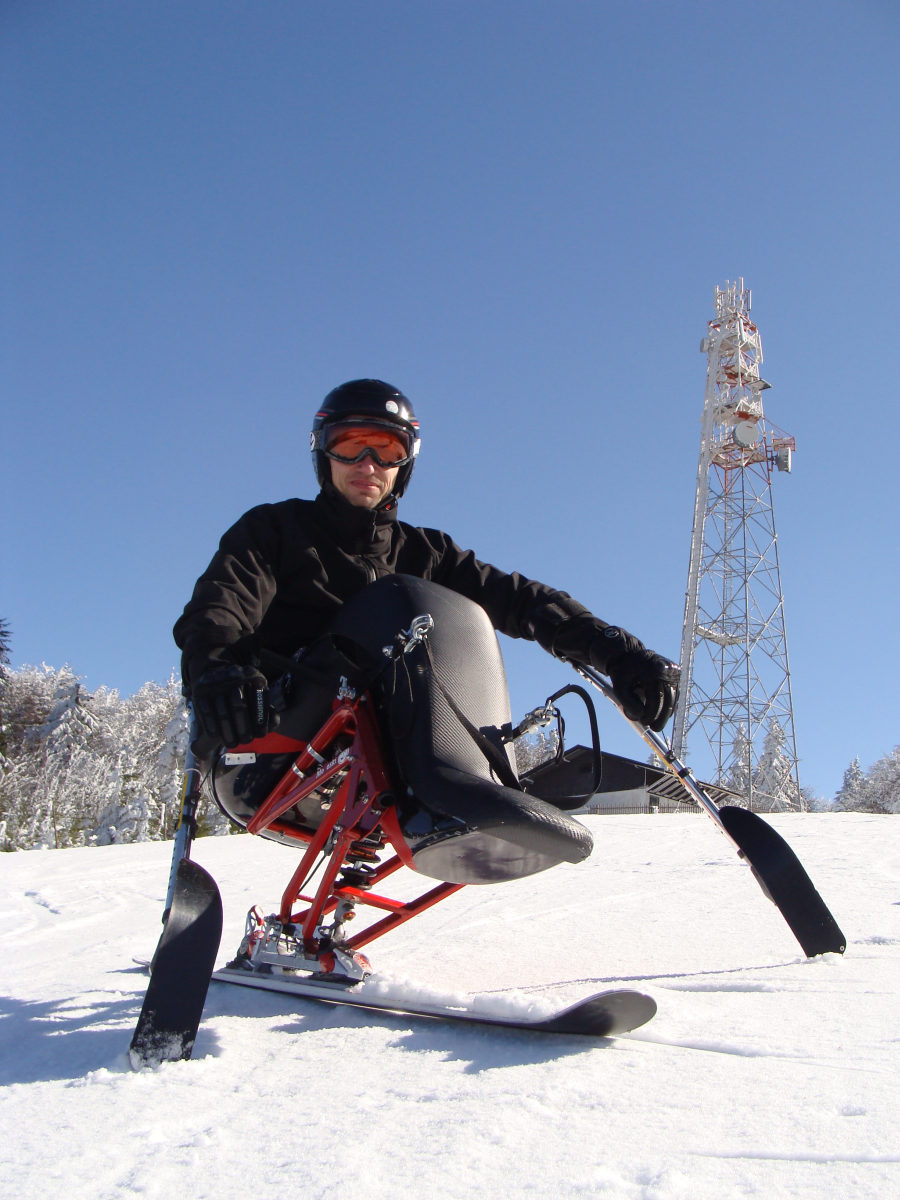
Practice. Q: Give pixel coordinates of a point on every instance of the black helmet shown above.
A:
(376, 402)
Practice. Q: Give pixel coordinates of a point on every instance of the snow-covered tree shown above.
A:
(26, 700)
(72, 744)
(4, 644)
(850, 796)
(811, 802)
(4, 663)
(774, 786)
(882, 786)
(91, 769)
(739, 776)
(170, 762)
(876, 790)
(148, 760)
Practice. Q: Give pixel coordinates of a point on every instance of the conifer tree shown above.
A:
(739, 776)
(851, 794)
(774, 786)
(881, 793)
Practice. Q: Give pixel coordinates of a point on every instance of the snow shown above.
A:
(763, 1074)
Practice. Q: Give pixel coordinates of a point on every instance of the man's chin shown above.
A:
(366, 498)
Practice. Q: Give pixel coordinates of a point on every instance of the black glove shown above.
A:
(645, 684)
(232, 706)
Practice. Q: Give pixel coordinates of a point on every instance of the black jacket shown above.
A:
(283, 570)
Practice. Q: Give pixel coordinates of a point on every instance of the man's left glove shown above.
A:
(644, 683)
(231, 704)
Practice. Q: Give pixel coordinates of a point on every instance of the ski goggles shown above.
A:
(351, 444)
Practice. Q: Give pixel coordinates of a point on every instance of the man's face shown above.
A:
(365, 460)
(364, 483)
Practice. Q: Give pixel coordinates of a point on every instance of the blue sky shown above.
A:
(213, 212)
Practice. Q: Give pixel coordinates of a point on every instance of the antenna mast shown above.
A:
(736, 693)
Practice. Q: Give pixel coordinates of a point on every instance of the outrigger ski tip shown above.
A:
(180, 971)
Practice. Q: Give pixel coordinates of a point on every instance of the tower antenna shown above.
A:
(736, 695)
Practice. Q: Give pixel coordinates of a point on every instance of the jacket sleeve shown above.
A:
(518, 606)
(231, 597)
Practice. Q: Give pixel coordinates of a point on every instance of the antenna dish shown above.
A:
(746, 433)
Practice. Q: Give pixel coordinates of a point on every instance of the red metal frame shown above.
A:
(361, 819)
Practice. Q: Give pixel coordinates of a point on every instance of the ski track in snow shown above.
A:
(763, 1074)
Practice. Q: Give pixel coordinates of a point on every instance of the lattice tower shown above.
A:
(736, 693)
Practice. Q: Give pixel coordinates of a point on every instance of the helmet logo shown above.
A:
(312, 440)
(392, 406)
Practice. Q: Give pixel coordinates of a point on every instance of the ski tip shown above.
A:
(149, 1056)
(833, 943)
(605, 1014)
(151, 1047)
(195, 885)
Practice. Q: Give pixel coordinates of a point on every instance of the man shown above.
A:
(284, 570)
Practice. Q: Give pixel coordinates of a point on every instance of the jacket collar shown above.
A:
(357, 530)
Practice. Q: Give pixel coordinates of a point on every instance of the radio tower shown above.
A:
(736, 694)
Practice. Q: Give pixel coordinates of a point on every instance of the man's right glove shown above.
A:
(231, 704)
(645, 684)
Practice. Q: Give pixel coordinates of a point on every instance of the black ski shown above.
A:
(604, 1014)
(181, 970)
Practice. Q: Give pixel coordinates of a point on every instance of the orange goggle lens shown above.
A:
(353, 444)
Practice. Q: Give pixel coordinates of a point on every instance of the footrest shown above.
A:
(486, 833)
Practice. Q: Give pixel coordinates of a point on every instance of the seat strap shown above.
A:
(496, 758)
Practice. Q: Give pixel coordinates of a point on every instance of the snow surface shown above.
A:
(763, 1074)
